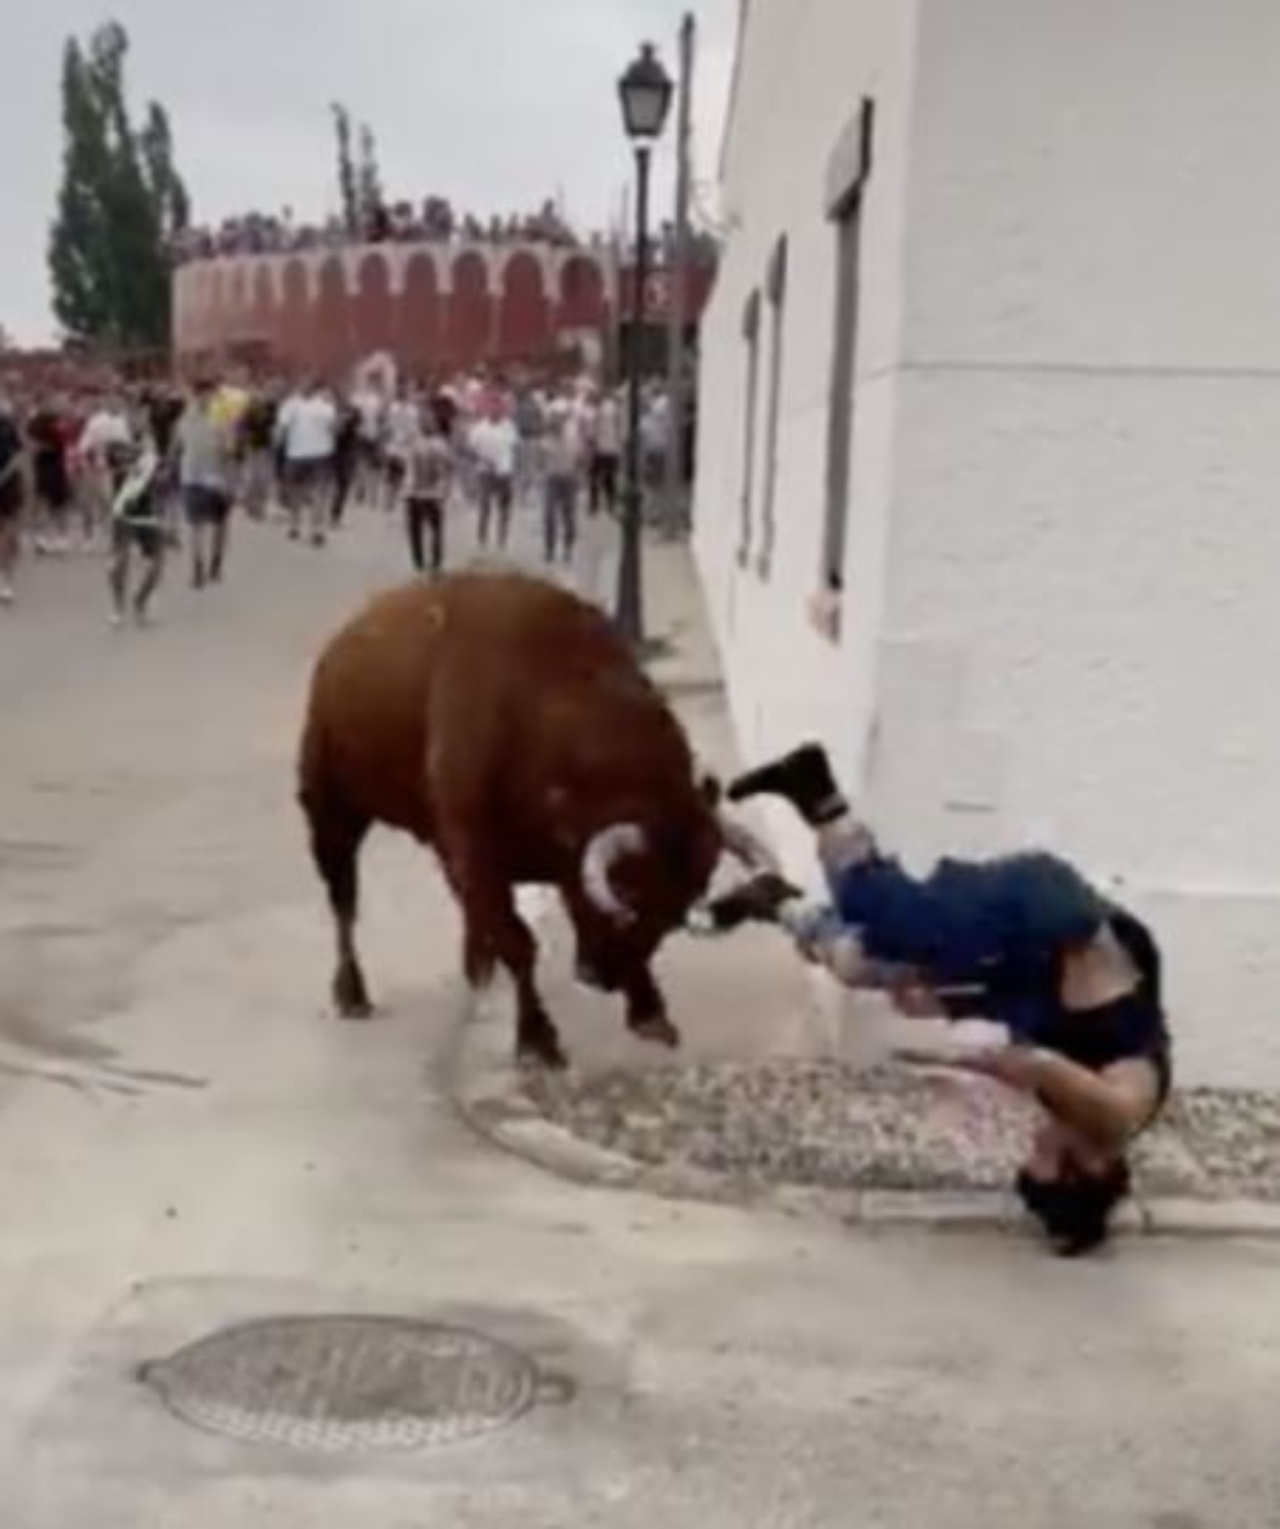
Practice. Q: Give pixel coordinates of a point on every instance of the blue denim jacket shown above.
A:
(997, 927)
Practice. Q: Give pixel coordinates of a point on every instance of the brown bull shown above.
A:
(504, 722)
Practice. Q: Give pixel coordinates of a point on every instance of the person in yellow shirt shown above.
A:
(228, 405)
(227, 408)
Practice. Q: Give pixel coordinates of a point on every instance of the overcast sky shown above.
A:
(496, 104)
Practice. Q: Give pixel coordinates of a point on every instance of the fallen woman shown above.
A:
(1022, 940)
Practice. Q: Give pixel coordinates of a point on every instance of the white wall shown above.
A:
(1085, 516)
(802, 74)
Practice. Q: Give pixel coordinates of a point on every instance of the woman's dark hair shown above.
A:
(1075, 1211)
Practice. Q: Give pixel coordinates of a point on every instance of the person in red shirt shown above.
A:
(48, 438)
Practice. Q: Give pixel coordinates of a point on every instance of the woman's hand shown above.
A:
(913, 998)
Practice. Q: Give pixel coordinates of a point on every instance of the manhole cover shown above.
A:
(343, 1384)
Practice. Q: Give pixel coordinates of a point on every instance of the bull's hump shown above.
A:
(545, 628)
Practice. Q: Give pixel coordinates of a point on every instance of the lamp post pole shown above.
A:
(645, 91)
(630, 612)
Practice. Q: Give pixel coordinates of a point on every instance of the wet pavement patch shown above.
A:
(827, 1125)
(351, 1384)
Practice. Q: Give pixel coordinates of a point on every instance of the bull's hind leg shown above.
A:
(335, 843)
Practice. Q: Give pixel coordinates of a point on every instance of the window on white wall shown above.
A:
(848, 173)
(751, 399)
(776, 292)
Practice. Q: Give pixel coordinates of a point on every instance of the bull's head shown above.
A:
(638, 881)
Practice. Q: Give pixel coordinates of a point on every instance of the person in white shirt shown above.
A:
(494, 440)
(563, 457)
(605, 427)
(427, 489)
(307, 431)
(655, 426)
(403, 427)
(371, 406)
(105, 442)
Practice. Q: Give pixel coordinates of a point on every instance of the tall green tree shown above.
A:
(120, 203)
(347, 188)
(368, 178)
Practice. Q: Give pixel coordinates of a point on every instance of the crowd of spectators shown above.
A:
(433, 221)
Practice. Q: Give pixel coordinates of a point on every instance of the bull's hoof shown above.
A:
(542, 1051)
(351, 997)
(657, 1030)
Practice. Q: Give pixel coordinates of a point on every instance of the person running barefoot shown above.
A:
(1023, 940)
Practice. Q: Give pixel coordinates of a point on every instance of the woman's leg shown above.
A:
(805, 779)
(903, 920)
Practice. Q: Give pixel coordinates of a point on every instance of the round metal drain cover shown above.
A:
(343, 1384)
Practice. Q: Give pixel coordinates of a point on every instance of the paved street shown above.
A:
(188, 1139)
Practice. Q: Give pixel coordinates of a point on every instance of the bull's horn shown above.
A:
(598, 860)
(745, 845)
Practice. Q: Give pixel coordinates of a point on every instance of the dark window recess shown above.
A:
(751, 338)
(776, 291)
(847, 181)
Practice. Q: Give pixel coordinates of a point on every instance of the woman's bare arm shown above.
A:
(1106, 1108)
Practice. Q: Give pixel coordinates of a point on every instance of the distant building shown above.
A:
(431, 305)
(995, 348)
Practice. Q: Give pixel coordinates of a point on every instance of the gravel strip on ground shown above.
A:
(825, 1124)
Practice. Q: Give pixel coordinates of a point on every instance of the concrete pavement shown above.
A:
(187, 1138)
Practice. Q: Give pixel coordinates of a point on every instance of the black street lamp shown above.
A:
(645, 90)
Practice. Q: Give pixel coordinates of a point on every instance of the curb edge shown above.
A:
(478, 1078)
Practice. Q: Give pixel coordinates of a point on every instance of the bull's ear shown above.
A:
(712, 790)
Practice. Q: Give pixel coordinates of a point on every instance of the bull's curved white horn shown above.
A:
(747, 846)
(598, 860)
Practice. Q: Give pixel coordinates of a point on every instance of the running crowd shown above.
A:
(139, 472)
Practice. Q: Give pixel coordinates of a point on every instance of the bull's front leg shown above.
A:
(495, 930)
(537, 1039)
(647, 1015)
